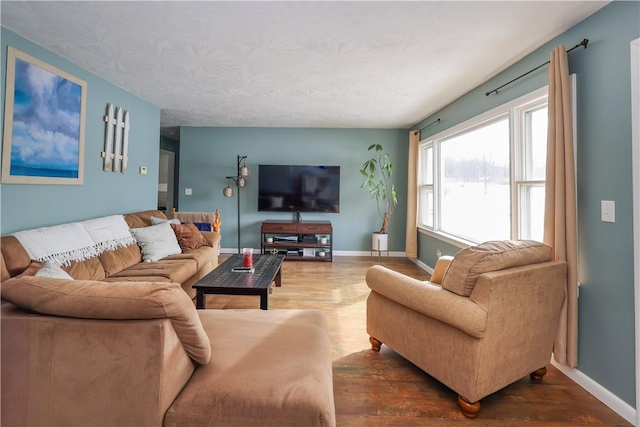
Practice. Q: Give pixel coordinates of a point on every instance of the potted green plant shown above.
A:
(377, 172)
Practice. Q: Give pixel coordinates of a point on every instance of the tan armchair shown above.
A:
(487, 318)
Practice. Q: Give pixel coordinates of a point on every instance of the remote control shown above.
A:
(243, 269)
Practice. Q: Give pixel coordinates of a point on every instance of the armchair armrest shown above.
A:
(213, 238)
(428, 299)
(441, 267)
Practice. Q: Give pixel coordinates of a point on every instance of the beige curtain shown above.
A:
(560, 201)
(411, 248)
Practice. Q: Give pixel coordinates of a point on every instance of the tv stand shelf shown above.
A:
(298, 240)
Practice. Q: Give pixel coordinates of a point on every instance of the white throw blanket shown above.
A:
(59, 244)
(109, 233)
(76, 241)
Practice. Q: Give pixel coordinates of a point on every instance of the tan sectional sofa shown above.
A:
(125, 264)
(123, 345)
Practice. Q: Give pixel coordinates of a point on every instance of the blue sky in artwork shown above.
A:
(46, 119)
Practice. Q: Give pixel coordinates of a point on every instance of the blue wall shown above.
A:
(103, 193)
(207, 155)
(605, 264)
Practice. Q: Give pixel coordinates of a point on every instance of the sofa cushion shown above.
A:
(33, 269)
(142, 219)
(5, 273)
(471, 262)
(189, 236)
(156, 241)
(116, 301)
(155, 220)
(160, 279)
(202, 256)
(15, 257)
(273, 369)
(178, 271)
(115, 261)
(89, 269)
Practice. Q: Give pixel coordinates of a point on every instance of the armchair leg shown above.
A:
(537, 375)
(468, 409)
(375, 344)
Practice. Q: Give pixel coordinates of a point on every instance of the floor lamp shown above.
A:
(240, 181)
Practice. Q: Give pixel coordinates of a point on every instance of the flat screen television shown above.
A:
(298, 188)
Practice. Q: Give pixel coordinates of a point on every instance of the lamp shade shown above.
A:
(244, 171)
(228, 191)
(241, 181)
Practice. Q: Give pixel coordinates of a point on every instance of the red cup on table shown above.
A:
(247, 257)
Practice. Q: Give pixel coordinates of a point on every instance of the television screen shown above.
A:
(297, 188)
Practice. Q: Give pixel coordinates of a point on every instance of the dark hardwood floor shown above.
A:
(383, 389)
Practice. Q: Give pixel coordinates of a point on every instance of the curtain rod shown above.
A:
(584, 43)
(430, 124)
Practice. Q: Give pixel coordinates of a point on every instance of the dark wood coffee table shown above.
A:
(268, 269)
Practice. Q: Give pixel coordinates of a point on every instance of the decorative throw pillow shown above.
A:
(156, 221)
(203, 226)
(468, 264)
(156, 241)
(189, 237)
(53, 271)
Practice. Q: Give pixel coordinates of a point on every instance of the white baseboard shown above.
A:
(231, 251)
(369, 254)
(336, 253)
(616, 404)
(422, 265)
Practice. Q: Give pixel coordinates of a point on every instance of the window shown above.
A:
(531, 172)
(484, 179)
(426, 189)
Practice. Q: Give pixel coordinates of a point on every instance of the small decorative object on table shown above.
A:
(247, 257)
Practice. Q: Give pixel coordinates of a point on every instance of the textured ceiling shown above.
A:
(294, 64)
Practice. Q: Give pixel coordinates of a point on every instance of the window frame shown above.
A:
(514, 110)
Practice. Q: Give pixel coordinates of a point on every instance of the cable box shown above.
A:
(285, 239)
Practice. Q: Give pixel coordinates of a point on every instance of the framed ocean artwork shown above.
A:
(44, 122)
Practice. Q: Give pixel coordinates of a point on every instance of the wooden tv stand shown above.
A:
(298, 240)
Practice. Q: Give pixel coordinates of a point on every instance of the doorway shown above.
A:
(166, 170)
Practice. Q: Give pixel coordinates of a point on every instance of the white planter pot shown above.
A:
(379, 242)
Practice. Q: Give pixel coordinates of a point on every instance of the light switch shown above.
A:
(608, 210)
(187, 192)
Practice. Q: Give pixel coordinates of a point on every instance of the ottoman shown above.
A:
(267, 368)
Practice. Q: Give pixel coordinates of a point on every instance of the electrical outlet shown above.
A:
(438, 253)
